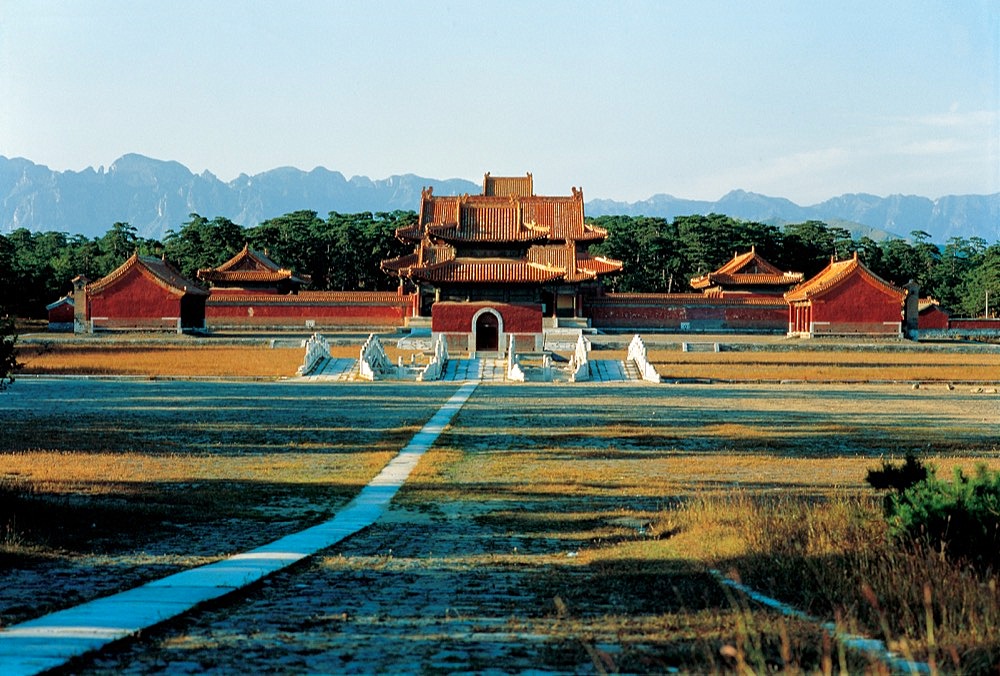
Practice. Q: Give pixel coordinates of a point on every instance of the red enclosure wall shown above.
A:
(449, 317)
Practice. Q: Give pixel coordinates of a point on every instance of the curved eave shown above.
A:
(211, 275)
(400, 264)
(454, 234)
(486, 272)
(410, 233)
(830, 279)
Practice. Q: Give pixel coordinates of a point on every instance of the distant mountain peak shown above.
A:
(157, 195)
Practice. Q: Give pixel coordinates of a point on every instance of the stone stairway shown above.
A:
(475, 368)
(700, 347)
(612, 371)
(334, 370)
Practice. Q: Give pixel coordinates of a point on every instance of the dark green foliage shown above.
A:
(8, 350)
(898, 477)
(201, 243)
(343, 252)
(960, 518)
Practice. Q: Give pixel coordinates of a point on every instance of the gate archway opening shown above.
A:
(487, 330)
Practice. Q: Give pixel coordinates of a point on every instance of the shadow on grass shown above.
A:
(127, 517)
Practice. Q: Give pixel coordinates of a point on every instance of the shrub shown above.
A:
(8, 351)
(960, 518)
(898, 477)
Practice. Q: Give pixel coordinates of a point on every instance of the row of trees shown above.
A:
(343, 252)
(662, 255)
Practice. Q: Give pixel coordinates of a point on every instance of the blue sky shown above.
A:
(801, 99)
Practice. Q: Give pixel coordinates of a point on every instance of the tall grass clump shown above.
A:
(839, 560)
(15, 502)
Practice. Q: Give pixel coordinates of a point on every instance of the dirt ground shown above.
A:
(521, 542)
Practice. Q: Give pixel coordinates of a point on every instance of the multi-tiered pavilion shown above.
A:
(506, 245)
(508, 254)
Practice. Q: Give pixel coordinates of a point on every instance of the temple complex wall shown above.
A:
(308, 310)
(687, 312)
(488, 326)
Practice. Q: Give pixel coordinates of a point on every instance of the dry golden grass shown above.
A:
(55, 472)
(643, 488)
(615, 499)
(159, 360)
(185, 360)
(828, 365)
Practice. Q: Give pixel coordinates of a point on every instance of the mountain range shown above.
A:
(156, 196)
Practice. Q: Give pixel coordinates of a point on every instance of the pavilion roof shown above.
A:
(507, 212)
(747, 269)
(925, 304)
(487, 270)
(450, 227)
(250, 266)
(154, 269)
(508, 186)
(543, 263)
(833, 275)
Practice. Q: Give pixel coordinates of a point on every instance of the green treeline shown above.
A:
(343, 252)
(661, 255)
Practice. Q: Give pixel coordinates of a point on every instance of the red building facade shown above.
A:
(251, 291)
(845, 298)
(143, 293)
(488, 326)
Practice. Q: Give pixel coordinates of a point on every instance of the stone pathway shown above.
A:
(414, 593)
(50, 641)
(608, 371)
(485, 370)
(334, 369)
(495, 370)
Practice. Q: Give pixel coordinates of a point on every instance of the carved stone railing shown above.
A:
(374, 363)
(637, 355)
(514, 370)
(317, 349)
(579, 363)
(435, 368)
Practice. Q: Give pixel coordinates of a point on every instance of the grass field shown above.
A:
(842, 366)
(193, 471)
(196, 358)
(172, 359)
(599, 509)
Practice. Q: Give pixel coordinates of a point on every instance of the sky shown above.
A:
(804, 99)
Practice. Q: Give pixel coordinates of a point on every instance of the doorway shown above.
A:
(487, 332)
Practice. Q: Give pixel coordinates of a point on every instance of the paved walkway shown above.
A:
(51, 641)
(608, 371)
(495, 370)
(480, 369)
(486, 370)
(334, 369)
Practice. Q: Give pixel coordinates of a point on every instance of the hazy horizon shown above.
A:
(626, 100)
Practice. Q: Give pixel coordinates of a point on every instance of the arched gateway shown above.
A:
(487, 331)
